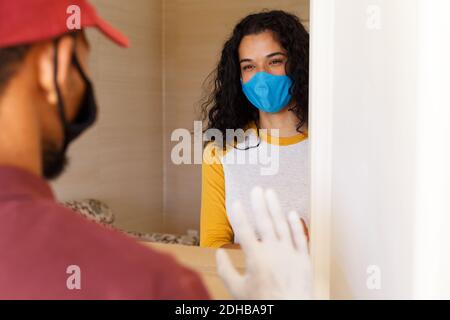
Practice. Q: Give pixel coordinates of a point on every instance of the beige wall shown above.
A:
(195, 31)
(119, 161)
(144, 94)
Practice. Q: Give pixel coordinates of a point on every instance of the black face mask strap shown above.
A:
(80, 70)
(61, 106)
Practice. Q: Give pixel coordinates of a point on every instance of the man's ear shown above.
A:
(46, 67)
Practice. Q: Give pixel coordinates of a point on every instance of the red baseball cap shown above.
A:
(28, 21)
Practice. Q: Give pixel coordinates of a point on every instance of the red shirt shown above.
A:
(39, 240)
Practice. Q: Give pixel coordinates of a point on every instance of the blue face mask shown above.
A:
(267, 92)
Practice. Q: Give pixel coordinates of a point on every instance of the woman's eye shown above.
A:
(276, 62)
(247, 68)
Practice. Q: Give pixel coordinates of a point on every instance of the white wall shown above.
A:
(379, 130)
(432, 241)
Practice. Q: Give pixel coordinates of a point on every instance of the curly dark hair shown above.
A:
(225, 106)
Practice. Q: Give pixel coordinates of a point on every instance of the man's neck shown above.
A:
(20, 145)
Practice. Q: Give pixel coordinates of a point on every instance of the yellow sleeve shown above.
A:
(215, 229)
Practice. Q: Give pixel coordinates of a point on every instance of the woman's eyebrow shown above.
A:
(275, 54)
(245, 60)
(268, 56)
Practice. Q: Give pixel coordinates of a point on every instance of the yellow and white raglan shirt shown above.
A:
(281, 164)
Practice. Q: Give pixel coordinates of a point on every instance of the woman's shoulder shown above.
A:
(213, 153)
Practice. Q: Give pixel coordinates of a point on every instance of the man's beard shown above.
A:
(54, 161)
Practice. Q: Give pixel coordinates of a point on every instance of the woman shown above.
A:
(261, 84)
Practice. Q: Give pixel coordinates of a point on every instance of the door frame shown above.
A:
(321, 132)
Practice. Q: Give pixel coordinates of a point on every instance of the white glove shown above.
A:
(278, 266)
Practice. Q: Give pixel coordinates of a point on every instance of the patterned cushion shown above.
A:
(99, 212)
(187, 240)
(93, 210)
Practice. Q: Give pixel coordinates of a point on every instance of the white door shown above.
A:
(380, 134)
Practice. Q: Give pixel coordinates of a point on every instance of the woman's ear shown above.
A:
(46, 67)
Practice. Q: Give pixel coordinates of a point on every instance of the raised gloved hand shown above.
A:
(278, 266)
